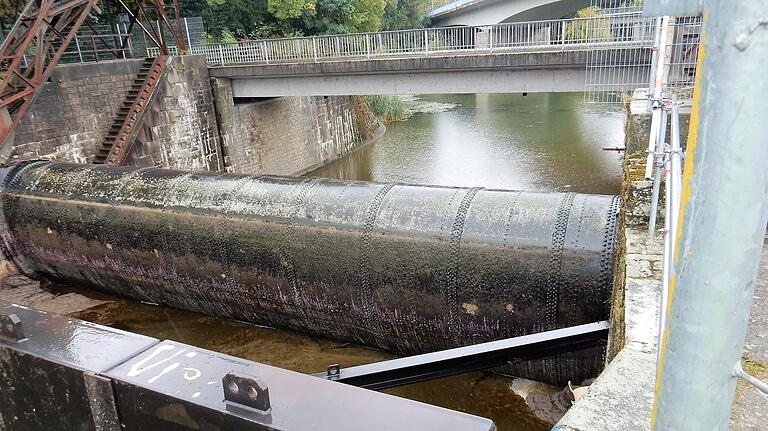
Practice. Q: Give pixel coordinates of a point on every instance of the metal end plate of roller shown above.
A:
(403, 268)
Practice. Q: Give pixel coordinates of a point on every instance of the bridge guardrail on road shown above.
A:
(604, 32)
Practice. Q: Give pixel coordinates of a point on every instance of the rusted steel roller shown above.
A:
(400, 267)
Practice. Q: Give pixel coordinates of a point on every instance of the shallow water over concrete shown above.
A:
(477, 393)
(538, 142)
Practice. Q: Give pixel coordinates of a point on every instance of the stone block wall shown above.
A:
(74, 110)
(193, 122)
(290, 135)
(180, 129)
(71, 116)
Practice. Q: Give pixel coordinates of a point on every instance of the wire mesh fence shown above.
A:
(683, 50)
(612, 75)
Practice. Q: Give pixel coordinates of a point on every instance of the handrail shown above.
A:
(603, 32)
(419, 30)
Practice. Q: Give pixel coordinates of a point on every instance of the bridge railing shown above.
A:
(564, 34)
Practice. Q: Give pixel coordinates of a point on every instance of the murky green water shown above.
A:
(540, 142)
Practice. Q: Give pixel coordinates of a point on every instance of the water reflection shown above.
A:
(544, 141)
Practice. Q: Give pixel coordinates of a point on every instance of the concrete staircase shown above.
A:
(127, 121)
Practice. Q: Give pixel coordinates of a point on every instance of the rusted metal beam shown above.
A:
(40, 23)
(44, 31)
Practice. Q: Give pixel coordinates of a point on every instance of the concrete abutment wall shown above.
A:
(290, 135)
(622, 396)
(193, 123)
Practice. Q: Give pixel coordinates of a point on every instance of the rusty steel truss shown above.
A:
(40, 37)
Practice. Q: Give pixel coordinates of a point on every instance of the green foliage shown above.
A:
(329, 17)
(588, 29)
(239, 18)
(387, 108)
(232, 20)
(405, 14)
(342, 16)
(289, 9)
(367, 15)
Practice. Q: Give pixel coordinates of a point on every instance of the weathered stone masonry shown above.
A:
(180, 130)
(186, 127)
(70, 118)
(289, 135)
(74, 110)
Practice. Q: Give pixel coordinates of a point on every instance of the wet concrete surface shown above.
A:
(477, 393)
(750, 410)
(18, 289)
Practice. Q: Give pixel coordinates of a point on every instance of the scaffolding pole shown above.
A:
(723, 219)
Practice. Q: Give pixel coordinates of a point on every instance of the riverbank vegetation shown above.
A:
(233, 20)
(387, 108)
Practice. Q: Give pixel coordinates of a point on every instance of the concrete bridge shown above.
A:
(486, 12)
(535, 56)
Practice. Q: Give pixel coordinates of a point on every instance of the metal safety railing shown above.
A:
(106, 42)
(682, 51)
(91, 47)
(667, 157)
(604, 32)
(98, 47)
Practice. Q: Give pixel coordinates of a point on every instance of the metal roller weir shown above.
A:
(404, 268)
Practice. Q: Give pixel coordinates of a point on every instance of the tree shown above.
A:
(227, 20)
(289, 9)
(405, 14)
(367, 15)
(342, 16)
(588, 30)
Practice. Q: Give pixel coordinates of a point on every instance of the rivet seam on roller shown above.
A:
(453, 273)
(569, 278)
(300, 195)
(366, 288)
(552, 289)
(609, 234)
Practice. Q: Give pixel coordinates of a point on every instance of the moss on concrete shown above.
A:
(756, 368)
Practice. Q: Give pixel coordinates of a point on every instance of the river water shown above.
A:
(539, 142)
(535, 142)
